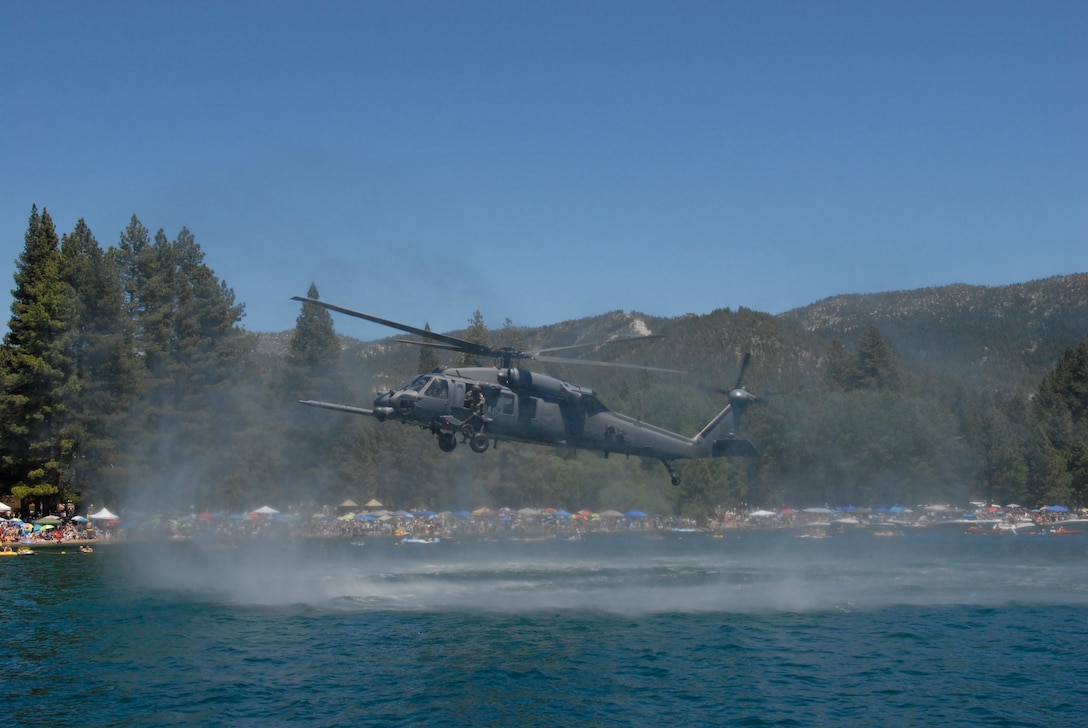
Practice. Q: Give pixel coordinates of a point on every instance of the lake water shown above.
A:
(755, 629)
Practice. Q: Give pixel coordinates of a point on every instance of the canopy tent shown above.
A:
(265, 511)
(4, 508)
(373, 503)
(104, 515)
(349, 503)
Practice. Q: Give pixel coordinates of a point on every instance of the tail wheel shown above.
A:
(479, 442)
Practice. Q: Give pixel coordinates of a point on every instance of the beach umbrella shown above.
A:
(48, 521)
(761, 514)
(1050, 509)
(635, 514)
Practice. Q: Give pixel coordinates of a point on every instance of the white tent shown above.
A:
(265, 511)
(104, 515)
(4, 508)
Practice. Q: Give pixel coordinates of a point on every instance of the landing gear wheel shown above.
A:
(446, 441)
(676, 480)
(479, 442)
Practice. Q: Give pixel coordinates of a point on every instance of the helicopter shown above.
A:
(507, 402)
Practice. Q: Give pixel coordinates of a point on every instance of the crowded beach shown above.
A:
(350, 521)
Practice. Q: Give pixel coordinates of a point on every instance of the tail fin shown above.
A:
(723, 430)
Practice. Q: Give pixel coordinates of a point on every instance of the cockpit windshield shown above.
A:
(418, 383)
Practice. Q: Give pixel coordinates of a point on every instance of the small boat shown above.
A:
(977, 530)
(422, 540)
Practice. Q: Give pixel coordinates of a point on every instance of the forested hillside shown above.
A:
(128, 381)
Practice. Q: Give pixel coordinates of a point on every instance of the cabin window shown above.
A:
(505, 405)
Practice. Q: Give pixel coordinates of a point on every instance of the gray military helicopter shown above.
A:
(485, 405)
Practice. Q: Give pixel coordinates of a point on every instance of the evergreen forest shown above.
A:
(127, 380)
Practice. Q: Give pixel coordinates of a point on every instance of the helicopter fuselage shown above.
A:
(524, 406)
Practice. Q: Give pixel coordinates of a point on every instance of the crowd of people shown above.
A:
(524, 523)
(16, 531)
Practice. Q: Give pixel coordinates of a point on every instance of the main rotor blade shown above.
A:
(454, 343)
(743, 368)
(624, 340)
(432, 344)
(594, 363)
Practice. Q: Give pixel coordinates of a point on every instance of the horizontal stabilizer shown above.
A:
(734, 448)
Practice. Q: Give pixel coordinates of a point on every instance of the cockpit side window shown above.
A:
(438, 388)
(417, 384)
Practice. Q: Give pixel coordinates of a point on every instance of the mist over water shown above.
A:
(752, 629)
(630, 574)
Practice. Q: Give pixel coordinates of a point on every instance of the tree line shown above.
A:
(126, 379)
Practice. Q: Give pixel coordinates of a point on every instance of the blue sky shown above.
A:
(545, 161)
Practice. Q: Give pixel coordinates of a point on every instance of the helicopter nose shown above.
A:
(385, 399)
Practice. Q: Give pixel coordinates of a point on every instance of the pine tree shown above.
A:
(838, 371)
(314, 345)
(312, 370)
(184, 321)
(874, 364)
(1061, 407)
(428, 357)
(476, 333)
(37, 372)
(105, 365)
